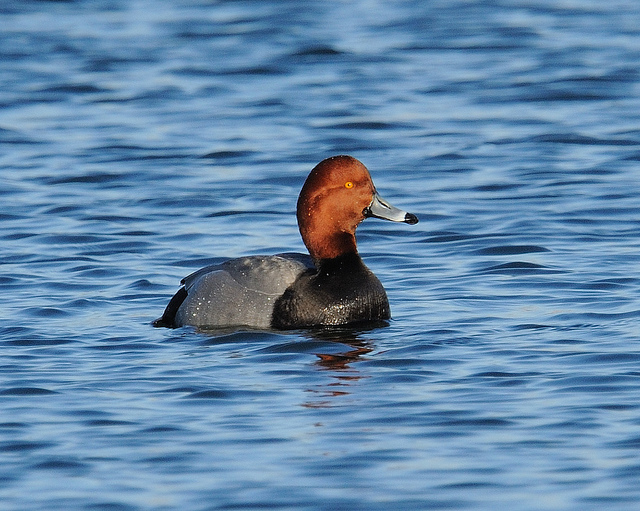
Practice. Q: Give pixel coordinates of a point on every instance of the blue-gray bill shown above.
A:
(379, 208)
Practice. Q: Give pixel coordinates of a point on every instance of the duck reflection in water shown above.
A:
(335, 349)
(348, 337)
(339, 364)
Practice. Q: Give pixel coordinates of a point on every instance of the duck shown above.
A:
(328, 287)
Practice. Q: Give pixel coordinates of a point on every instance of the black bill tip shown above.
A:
(410, 219)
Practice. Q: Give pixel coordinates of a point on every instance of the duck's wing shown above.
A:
(239, 291)
(190, 279)
(258, 272)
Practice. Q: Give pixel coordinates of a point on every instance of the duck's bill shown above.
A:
(379, 208)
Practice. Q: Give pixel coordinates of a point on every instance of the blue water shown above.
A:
(141, 140)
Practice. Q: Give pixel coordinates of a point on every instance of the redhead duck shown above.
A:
(330, 287)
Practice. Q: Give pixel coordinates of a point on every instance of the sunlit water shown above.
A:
(140, 140)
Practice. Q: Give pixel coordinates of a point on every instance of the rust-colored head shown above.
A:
(335, 198)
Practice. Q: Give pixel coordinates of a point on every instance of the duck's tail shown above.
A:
(168, 319)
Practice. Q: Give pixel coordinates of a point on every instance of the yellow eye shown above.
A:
(348, 184)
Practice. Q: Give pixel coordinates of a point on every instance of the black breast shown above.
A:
(339, 292)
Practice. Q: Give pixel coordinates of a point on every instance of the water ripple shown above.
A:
(141, 142)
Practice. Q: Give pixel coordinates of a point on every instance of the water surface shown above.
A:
(142, 140)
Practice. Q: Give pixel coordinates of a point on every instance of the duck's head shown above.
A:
(339, 194)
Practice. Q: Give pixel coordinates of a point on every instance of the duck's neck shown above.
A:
(331, 245)
(344, 263)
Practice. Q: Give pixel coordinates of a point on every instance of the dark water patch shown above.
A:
(630, 471)
(97, 178)
(9, 136)
(10, 281)
(503, 379)
(71, 239)
(121, 147)
(250, 212)
(46, 312)
(23, 447)
(632, 157)
(520, 267)
(241, 394)
(623, 75)
(471, 485)
(262, 440)
(631, 443)
(11, 216)
(62, 464)
(72, 88)
(137, 234)
(272, 70)
(96, 273)
(377, 455)
(227, 155)
(169, 459)
(110, 506)
(117, 219)
(608, 500)
(483, 422)
(612, 284)
(319, 51)
(108, 423)
(450, 156)
(60, 210)
(498, 187)
(163, 429)
(614, 358)
(532, 326)
(511, 250)
(145, 285)
(365, 125)
(596, 318)
(13, 425)
(86, 412)
(19, 235)
(37, 341)
(210, 394)
(550, 96)
(410, 378)
(587, 390)
(487, 46)
(447, 238)
(26, 391)
(619, 407)
(195, 71)
(574, 138)
(8, 331)
(405, 362)
(573, 183)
